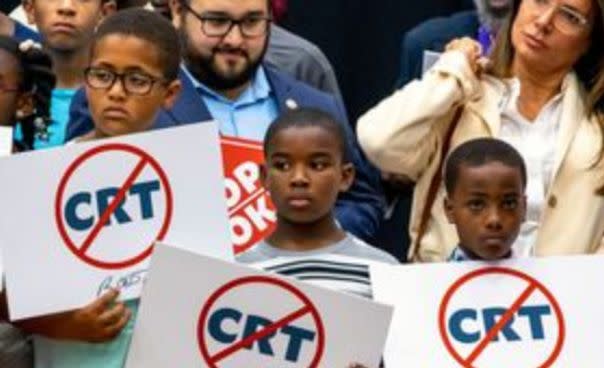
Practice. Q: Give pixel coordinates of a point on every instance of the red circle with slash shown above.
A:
(144, 159)
(307, 308)
(533, 285)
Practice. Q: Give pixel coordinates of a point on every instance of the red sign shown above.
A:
(529, 287)
(251, 212)
(238, 295)
(117, 154)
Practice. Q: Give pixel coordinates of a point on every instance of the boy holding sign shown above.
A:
(485, 180)
(307, 166)
(132, 75)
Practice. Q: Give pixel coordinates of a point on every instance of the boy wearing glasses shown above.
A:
(130, 78)
(134, 61)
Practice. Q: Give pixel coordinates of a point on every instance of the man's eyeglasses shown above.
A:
(567, 20)
(219, 26)
(134, 82)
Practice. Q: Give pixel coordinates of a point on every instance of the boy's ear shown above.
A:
(348, 173)
(176, 11)
(28, 7)
(172, 92)
(448, 206)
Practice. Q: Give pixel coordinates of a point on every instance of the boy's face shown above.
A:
(67, 25)
(130, 103)
(304, 174)
(487, 207)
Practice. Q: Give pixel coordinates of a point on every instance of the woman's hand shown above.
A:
(473, 52)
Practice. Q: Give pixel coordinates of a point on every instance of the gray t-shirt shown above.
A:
(343, 266)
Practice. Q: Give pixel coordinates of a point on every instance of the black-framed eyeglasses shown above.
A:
(133, 82)
(219, 26)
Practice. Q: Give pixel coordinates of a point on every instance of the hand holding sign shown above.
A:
(100, 321)
(99, 208)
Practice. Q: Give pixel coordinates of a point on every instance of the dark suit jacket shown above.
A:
(359, 210)
(433, 34)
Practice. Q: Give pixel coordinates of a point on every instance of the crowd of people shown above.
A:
(501, 138)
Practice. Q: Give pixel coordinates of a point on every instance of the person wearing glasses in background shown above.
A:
(288, 52)
(542, 92)
(224, 79)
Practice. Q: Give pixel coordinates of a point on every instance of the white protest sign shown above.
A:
(6, 148)
(95, 209)
(6, 141)
(202, 312)
(521, 313)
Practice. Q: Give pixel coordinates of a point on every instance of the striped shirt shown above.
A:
(343, 266)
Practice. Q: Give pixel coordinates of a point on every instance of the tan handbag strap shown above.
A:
(435, 184)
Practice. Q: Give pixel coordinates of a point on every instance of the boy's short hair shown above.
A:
(148, 26)
(478, 152)
(309, 117)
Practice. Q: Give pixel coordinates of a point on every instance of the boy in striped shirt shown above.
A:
(306, 166)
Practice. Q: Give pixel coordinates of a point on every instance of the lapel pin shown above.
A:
(291, 104)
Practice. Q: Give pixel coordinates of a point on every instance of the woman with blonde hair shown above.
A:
(542, 92)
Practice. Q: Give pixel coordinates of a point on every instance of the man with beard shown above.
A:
(288, 52)
(223, 79)
(433, 34)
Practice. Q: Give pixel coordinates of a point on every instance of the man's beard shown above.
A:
(205, 70)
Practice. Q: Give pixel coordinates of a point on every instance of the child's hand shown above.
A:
(100, 321)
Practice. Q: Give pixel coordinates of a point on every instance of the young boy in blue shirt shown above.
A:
(133, 70)
(485, 180)
(306, 166)
(66, 29)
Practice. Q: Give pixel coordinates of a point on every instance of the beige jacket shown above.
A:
(403, 134)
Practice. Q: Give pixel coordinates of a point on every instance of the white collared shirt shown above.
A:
(537, 142)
